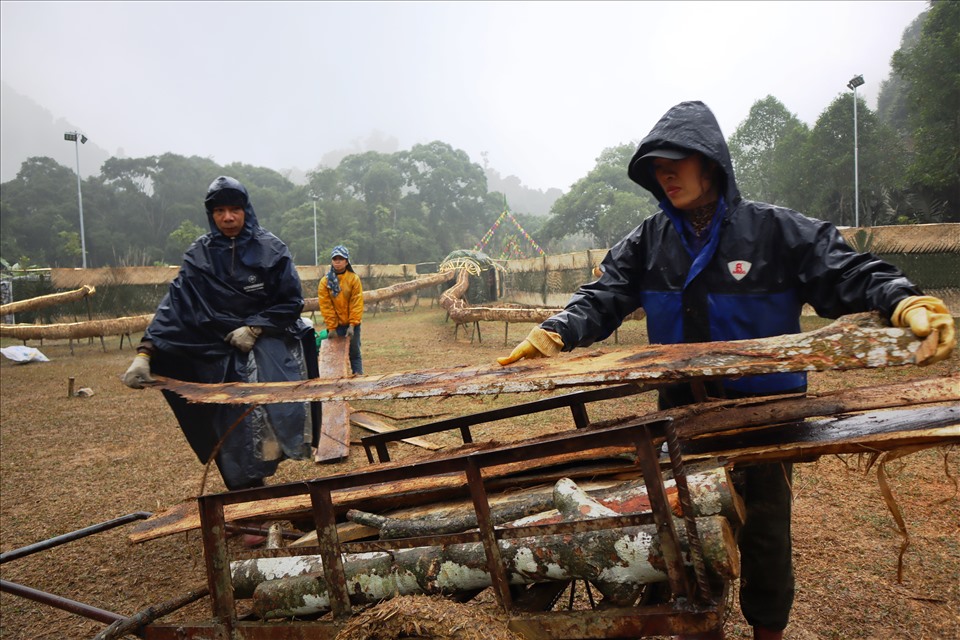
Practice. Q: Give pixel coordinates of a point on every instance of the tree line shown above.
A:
(418, 205)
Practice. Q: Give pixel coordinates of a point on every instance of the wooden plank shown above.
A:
(853, 342)
(334, 444)
(372, 423)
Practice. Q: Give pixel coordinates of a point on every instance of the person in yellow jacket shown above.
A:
(341, 302)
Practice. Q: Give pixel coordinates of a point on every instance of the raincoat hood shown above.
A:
(688, 126)
(230, 191)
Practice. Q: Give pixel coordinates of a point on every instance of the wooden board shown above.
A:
(372, 423)
(853, 342)
(334, 443)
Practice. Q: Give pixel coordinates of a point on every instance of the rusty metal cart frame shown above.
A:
(695, 605)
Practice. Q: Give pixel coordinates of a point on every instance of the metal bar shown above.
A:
(498, 575)
(462, 422)
(704, 591)
(510, 453)
(213, 534)
(659, 504)
(66, 604)
(580, 417)
(74, 535)
(330, 553)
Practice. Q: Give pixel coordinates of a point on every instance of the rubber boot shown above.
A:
(762, 633)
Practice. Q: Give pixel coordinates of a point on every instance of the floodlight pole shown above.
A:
(316, 260)
(75, 137)
(855, 82)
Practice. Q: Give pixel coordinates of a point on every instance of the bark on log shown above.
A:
(712, 493)
(627, 557)
(334, 442)
(393, 291)
(76, 330)
(465, 314)
(47, 301)
(853, 342)
(708, 418)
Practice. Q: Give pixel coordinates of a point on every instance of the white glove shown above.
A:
(139, 372)
(349, 331)
(243, 338)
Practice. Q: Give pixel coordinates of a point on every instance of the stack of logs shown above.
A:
(618, 562)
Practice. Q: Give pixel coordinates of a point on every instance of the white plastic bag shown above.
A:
(24, 354)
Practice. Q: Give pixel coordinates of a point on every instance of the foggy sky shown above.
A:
(538, 88)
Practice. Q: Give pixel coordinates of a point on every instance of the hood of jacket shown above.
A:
(227, 190)
(690, 126)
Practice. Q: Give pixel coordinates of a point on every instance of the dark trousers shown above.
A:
(356, 360)
(766, 550)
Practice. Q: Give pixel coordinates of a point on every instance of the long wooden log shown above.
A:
(853, 342)
(393, 291)
(712, 493)
(49, 300)
(76, 330)
(628, 556)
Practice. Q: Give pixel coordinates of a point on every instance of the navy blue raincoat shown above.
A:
(750, 279)
(223, 284)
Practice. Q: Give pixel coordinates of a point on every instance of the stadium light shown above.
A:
(77, 139)
(855, 82)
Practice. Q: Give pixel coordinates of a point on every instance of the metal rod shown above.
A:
(65, 604)
(73, 535)
(83, 239)
(856, 164)
(686, 506)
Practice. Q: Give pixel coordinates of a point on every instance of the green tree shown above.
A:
(932, 68)
(182, 237)
(828, 168)
(36, 209)
(892, 105)
(753, 147)
(605, 204)
(451, 190)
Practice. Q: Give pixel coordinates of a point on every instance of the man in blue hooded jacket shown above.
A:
(233, 314)
(714, 267)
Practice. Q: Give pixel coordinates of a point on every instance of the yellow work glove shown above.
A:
(139, 372)
(924, 314)
(539, 343)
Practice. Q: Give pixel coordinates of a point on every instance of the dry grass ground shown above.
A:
(66, 463)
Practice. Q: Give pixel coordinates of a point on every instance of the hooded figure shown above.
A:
(712, 266)
(232, 314)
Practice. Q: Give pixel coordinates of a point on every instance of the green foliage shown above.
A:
(182, 237)
(753, 147)
(932, 67)
(605, 204)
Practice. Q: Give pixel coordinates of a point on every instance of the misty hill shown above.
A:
(29, 130)
(520, 198)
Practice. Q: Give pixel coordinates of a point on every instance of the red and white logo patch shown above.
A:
(739, 268)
